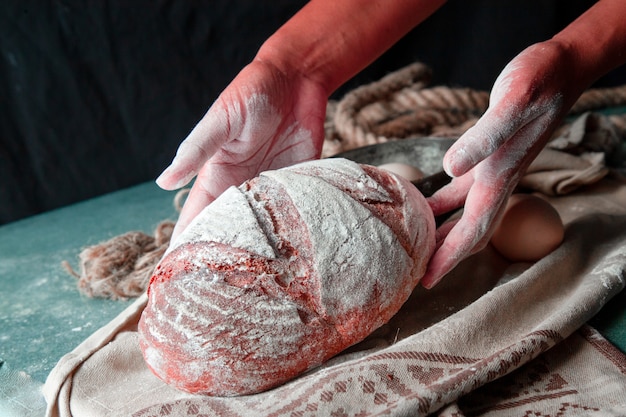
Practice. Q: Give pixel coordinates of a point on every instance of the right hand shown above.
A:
(265, 119)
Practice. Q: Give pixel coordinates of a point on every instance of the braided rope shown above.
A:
(600, 98)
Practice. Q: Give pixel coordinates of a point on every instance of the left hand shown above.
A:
(528, 101)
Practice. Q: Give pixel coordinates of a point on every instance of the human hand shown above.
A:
(264, 119)
(528, 101)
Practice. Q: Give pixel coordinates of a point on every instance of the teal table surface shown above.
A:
(44, 316)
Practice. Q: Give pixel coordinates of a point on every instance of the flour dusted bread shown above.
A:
(278, 275)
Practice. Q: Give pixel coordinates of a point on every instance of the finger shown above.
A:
(446, 257)
(213, 130)
(212, 181)
(526, 123)
(197, 199)
(479, 141)
(442, 231)
(451, 196)
(471, 233)
(460, 239)
(183, 168)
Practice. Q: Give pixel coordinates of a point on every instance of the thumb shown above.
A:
(206, 138)
(491, 131)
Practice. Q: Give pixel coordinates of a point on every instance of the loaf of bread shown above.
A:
(282, 273)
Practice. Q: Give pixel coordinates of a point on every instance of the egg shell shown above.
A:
(409, 172)
(530, 229)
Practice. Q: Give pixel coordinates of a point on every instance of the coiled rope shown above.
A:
(401, 105)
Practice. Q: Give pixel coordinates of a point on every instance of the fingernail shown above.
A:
(427, 279)
(162, 177)
(447, 169)
(449, 161)
(164, 180)
(430, 283)
(457, 163)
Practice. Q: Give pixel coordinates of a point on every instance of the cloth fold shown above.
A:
(557, 173)
(575, 157)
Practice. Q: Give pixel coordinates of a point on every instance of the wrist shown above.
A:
(319, 55)
(293, 63)
(596, 40)
(330, 41)
(569, 62)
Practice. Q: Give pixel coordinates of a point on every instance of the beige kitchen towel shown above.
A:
(507, 333)
(576, 157)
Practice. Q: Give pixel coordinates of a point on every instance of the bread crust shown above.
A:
(280, 274)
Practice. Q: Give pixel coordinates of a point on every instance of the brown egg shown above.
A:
(409, 172)
(529, 229)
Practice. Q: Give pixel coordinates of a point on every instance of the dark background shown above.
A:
(96, 95)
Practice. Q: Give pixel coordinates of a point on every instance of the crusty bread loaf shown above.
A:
(282, 273)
